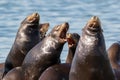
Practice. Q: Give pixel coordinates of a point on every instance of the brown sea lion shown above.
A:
(43, 29)
(61, 71)
(46, 53)
(114, 57)
(72, 40)
(27, 37)
(56, 72)
(91, 61)
(15, 74)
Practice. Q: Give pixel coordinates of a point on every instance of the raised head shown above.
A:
(93, 25)
(33, 18)
(60, 31)
(72, 39)
(43, 28)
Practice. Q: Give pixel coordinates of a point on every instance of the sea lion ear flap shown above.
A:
(43, 27)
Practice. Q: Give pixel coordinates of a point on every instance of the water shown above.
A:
(77, 13)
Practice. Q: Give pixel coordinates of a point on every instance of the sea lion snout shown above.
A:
(72, 39)
(65, 27)
(94, 25)
(33, 17)
(95, 18)
(65, 24)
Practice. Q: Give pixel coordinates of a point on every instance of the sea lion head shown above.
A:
(59, 32)
(33, 18)
(43, 28)
(93, 26)
(72, 39)
(31, 21)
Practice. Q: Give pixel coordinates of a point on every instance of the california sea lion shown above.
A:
(72, 40)
(44, 54)
(61, 71)
(114, 57)
(27, 37)
(15, 74)
(56, 72)
(90, 61)
(43, 29)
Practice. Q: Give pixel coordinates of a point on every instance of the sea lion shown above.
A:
(91, 61)
(43, 28)
(46, 53)
(27, 37)
(61, 71)
(114, 57)
(72, 40)
(14, 74)
(56, 72)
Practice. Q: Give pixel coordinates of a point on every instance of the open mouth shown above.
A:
(63, 30)
(44, 27)
(33, 18)
(70, 40)
(94, 24)
(94, 27)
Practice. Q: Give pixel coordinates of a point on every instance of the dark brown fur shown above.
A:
(90, 61)
(27, 37)
(56, 72)
(44, 54)
(114, 57)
